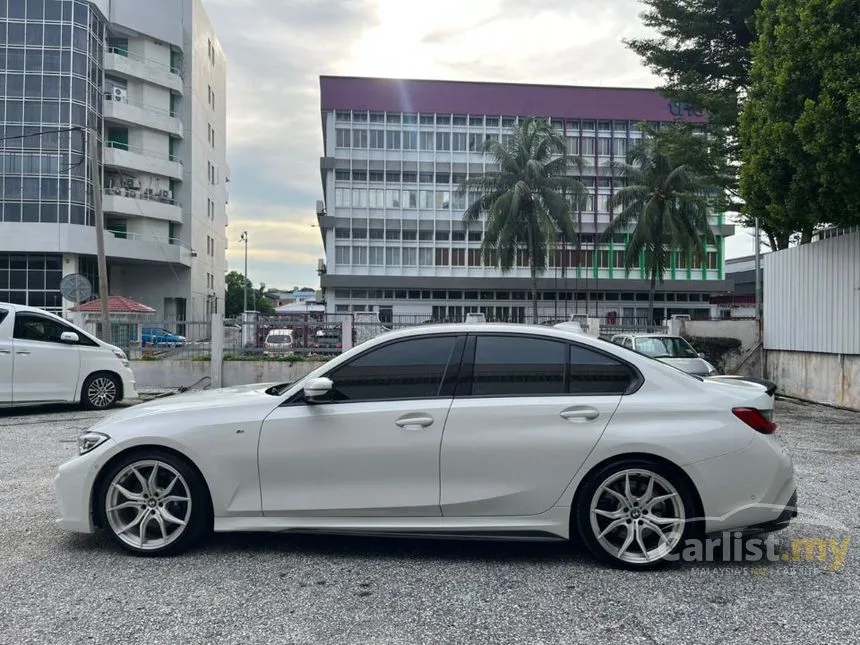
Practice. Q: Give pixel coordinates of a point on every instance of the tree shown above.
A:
(234, 298)
(666, 206)
(704, 54)
(800, 127)
(527, 199)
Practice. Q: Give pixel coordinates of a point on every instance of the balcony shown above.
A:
(146, 248)
(129, 113)
(133, 203)
(121, 155)
(129, 65)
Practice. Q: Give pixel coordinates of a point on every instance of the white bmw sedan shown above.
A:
(475, 430)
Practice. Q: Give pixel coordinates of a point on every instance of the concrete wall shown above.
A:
(176, 373)
(826, 378)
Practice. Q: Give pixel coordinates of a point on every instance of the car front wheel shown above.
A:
(154, 503)
(635, 514)
(100, 392)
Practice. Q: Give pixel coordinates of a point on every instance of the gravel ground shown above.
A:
(62, 588)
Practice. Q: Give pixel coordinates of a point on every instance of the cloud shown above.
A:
(277, 49)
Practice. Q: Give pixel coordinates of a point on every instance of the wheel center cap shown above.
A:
(634, 513)
(151, 503)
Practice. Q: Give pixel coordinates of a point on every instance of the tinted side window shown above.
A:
(3, 315)
(515, 366)
(409, 369)
(591, 372)
(31, 327)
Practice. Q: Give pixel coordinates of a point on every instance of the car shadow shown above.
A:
(58, 408)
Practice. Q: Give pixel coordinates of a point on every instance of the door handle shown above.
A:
(414, 421)
(23, 352)
(580, 414)
(5, 351)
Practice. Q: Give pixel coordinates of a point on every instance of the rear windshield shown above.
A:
(665, 347)
(279, 339)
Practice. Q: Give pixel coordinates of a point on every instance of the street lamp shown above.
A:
(244, 240)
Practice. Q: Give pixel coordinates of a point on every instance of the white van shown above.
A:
(44, 359)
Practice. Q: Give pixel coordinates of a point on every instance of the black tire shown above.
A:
(590, 526)
(198, 519)
(101, 391)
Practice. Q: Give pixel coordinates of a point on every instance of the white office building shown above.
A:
(392, 220)
(150, 79)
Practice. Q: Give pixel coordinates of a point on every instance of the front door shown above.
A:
(516, 437)
(44, 368)
(371, 448)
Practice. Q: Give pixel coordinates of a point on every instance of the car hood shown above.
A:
(228, 397)
(697, 366)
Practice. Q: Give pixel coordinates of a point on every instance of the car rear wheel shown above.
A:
(153, 503)
(635, 514)
(100, 392)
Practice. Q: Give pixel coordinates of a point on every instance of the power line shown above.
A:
(76, 128)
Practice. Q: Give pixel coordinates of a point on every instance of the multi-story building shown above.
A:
(149, 79)
(395, 153)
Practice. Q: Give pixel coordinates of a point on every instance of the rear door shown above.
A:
(6, 356)
(530, 411)
(45, 368)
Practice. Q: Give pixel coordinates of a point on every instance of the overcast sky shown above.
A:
(277, 49)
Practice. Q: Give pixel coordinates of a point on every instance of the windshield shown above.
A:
(279, 340)
(665, 347)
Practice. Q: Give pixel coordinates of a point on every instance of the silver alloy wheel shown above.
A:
(637, 516)
(148, 504)
(101, 392)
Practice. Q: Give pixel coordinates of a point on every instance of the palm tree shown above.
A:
(666, 203)
(527, 199)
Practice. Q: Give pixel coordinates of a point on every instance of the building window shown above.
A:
(426, 199)
(359, 175)
(459, 141)
(392, 198)
(359, 138)
(341, 197)
(392, 256)
(376, 198)
(409, 199)
(443, 199)
(341, 255)
(443, 258)
(342, 137)
(377, 255)
(359, 198)
(377, 139)
(604, 146)
(410, 140)
(712, 259)
(343, 116)
(620, 147)
(392, 140)
(359, 254)
(458, 257)
(425, 257)
(427, 140)
(442, 236)
(443, 141)
(410, 257)
(341, 233)
(475, 144)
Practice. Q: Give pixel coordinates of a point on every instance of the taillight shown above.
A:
(755, 419)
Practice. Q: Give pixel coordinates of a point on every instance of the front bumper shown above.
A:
(73, 485)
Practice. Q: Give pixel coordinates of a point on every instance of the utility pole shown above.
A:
(244, 239)
(93, 153)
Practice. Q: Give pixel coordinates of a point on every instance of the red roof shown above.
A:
(116, 305)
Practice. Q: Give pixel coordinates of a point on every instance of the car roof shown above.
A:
(492, 328)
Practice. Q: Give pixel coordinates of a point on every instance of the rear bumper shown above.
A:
(780, 522)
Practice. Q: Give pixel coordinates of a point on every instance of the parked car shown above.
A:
(468, 430)
(159, 337)
(476, 318)
(278, 340)
(673, 350)
(44, 359)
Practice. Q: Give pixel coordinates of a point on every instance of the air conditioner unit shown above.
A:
(165, 194)
(120, 94)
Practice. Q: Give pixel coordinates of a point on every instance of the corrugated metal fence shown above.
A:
(811, 297)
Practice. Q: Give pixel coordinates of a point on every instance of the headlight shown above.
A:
(90, 440)
(121, 356)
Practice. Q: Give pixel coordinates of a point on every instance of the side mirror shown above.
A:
(702, 355)
(317, 388)
(69, 337)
